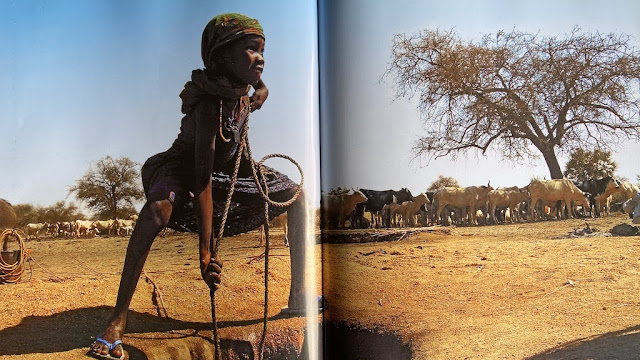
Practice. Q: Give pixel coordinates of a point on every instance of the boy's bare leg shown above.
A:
(297, 230)
(152, 219)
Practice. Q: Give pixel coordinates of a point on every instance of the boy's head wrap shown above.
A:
(225, 28)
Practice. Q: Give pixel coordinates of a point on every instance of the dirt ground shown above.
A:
(495, 292)
(521, 291)
(57, 313)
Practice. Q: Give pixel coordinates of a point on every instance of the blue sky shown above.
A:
(80, 80)
(83, 79)
(369, 134)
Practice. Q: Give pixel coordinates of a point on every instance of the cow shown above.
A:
(119, 224)
(337, 207)
(507, 199)
(553, 191)
(84, 227)
(595, 188)
(52, 230)
(36, 229)
(626, 190)
(388, 213)
(104, 226)
(408, 209)
(377, 199)
(65, 229)
(469, 199)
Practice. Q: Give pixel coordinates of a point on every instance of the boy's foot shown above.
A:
(104, 349)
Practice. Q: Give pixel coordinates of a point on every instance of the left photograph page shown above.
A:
(135, 132)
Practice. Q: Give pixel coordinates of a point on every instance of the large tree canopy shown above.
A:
(520, 94)
(110, 187)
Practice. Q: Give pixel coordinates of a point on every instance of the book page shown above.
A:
(92, 90)
(447, 129)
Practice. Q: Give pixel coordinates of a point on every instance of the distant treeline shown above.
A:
(61, 211)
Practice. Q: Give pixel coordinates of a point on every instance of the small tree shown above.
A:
(583, 165)
(25, 214)
(60, 211)
(441, 182)
(110, 188)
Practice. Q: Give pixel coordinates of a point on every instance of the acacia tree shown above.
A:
(518, 93)
(583, 165)
(110, 187)
(441, 182)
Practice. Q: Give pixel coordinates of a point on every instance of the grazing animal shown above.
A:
(388, 213)
(552, 191)
(470, 199)
(83, 227)
(626, 189)
(36, 229)
(337, 207)
(104, 226)
(595, 188)
(507, 199)
(119, 224)
(409, 209)
(378, 199)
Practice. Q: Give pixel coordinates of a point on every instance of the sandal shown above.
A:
(110, 346)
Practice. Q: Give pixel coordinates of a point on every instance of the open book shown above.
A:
(383, 104)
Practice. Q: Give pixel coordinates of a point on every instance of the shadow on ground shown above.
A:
(348, 342)
(76, 329)
(621, 345)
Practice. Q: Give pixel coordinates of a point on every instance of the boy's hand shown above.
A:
(259, 96)
(211, 272)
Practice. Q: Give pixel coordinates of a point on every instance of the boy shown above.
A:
(216, 106)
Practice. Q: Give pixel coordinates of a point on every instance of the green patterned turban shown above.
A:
(225, 28)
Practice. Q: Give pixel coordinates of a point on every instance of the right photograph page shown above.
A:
(479, 174)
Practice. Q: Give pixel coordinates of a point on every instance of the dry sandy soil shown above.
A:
(521, 291)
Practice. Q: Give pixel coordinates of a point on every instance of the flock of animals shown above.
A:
(80, 228)
(472, 205)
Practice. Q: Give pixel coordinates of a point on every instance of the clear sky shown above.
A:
(83, 79)
(367, 136)
(80, 80)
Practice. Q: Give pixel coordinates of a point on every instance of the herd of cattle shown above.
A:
(473, 205)
(80, 228)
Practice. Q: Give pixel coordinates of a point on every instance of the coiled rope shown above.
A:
(261, 184)
(11, 272)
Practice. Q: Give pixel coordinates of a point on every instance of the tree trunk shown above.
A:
(552, 163)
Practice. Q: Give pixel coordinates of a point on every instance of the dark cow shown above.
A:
(375, 201)
(593, 188)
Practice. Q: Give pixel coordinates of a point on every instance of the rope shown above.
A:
(10, 273)
(260, 181)
(155, 296)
